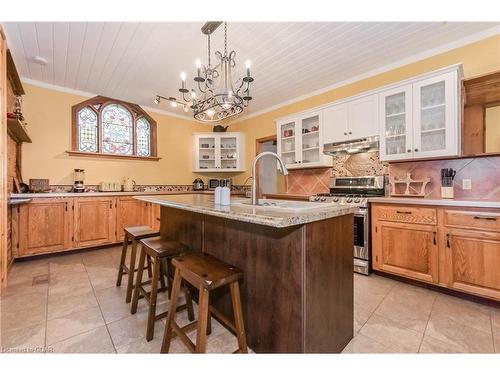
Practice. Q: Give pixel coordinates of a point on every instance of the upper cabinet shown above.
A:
(300, 141)
(219, 152)
(421, 119)
(352, 119)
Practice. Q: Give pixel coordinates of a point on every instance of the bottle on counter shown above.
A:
(225, 199)
(218, 195)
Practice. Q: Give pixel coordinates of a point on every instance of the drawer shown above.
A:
(405, 214)
(474, 219)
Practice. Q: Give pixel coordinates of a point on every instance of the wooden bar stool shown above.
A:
(133, 234)
(160, 251)
(206, 273)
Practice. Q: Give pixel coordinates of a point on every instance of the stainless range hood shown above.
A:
(356, 146)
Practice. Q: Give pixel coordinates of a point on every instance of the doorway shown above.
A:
(270, 180)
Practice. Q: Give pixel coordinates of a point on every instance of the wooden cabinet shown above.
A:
(94, 221)
(300, 141)
(47, 225)
(156, 212)
(405, 249)
(219, 152)
(457, 248)
(44, 226)
(472, 262)
(131, 212)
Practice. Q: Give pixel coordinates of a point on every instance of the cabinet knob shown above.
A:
(408, 150)
(350, 133)
(345, 133)
(416, 150)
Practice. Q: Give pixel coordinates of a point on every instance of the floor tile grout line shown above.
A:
(427, 323)
(375, 309)
(492, 332)
(100, 309)
(47, 309)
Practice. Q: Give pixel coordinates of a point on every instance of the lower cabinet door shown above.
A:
(473, 262)
(407, 250)
(94, 221)
(130, 213)
(44, 226)
(156, 212)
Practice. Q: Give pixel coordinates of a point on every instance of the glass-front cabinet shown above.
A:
(435, 116)
(420, 119)
(396, 121)
(218, 152)
(300, 143)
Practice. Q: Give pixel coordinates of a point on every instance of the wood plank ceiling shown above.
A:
(135, 61)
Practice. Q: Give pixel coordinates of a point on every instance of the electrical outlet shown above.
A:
(467, 184)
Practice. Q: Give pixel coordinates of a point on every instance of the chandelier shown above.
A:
(214, 97)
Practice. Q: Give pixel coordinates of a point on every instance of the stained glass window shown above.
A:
(87, 129)
(105, 126)
(143, 137)
(117, 130)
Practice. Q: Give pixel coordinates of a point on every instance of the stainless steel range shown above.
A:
(356, 190)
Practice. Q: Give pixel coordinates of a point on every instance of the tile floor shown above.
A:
(80, 310)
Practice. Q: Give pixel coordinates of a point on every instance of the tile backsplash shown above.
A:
(483, 171)
(313, 181)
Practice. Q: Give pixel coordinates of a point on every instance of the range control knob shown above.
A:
(335, 199)
(323, 199)
(349, 200)
(316, 199)
(357, 200)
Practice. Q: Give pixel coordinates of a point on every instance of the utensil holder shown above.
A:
(447, 192)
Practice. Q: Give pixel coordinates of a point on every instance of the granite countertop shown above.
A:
(437, 202)
(274, 217)
(105, 193)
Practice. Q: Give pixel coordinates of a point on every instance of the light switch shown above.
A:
(467, 184)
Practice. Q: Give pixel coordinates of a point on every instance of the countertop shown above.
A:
(204, 204)
(105, 193)
(437, 202)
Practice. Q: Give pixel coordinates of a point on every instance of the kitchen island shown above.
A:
(297, 291)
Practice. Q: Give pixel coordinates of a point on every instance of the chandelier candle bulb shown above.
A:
(248, 64)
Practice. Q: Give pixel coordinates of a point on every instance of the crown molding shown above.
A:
(68, 90)
(383, 69)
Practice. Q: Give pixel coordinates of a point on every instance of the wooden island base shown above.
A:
(297, 291)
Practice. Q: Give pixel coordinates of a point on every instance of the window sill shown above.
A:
(112, 156)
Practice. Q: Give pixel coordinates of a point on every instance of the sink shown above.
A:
(283, 205)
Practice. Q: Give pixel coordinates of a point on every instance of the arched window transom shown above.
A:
(103, 126)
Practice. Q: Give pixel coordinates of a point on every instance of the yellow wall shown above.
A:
(493, 129)
(48, 113)
(478, 58)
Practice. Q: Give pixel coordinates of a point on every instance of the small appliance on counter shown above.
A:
(110, 186)
(128, 184)
(38, 185)
(78, 186)
(447, 177)
(198, 184)
(216, 182)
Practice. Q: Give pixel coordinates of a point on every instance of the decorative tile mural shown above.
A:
(313, 181)
(483, 171)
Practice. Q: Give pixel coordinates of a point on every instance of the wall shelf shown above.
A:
(17, 130)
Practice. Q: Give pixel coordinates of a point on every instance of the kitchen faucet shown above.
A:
(282, 169)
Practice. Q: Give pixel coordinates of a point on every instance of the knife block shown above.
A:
(447, 192)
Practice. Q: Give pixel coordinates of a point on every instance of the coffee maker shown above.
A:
(78, 186)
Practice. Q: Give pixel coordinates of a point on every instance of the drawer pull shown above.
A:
(448, 240)
(404, 212)
(491, 218)
(434, 238)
